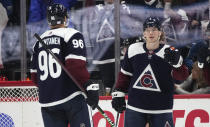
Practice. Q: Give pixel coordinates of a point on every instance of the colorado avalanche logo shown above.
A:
(147, 80)
(106, 32)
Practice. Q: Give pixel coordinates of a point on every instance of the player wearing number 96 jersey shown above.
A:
(61, 100)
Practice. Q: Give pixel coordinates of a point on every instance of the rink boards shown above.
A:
(189, 111)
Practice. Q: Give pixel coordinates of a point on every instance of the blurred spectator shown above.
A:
(147, 3)
(135, 2)
(13, 11)
(183, 30)
(207, 34)
(203, 58)
(153, 6)
(105, 42)
(38, 8)
(205, 21)
(176, 27)
(185, 21)
(89, 3)
(153, 3)
(97, 24)
(178, 3)
(3, 23)
(196, 47)
(199, 81)
(161, 3)
(192, 55)
(194, 28)
(195, 84)
(8, 4)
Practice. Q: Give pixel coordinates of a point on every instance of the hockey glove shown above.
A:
(92, 94)
(203, 57)
(118, 101)
(173, 57)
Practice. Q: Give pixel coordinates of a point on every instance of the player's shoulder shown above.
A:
(166, 46)
(125, 7)
(70, 32)
(135, 48)
(161, 51)
(137, 45)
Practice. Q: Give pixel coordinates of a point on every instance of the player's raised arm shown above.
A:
(173, 57)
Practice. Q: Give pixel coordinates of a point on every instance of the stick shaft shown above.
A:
(116, 123)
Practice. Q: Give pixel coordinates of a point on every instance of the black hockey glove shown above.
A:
(118, 101)
(173, 57)
(203, 57)
(92, 94)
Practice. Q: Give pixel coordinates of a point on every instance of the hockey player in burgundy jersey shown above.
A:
(147, 74)
(61, 100)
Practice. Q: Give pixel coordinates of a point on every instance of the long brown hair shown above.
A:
(198, 75)
(162, 37)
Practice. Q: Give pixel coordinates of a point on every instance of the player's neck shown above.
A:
(152, 46)
(58, 26)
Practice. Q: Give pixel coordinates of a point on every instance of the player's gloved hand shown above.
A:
(173, 57)
(92, 94)
(203, 56)
(118, 101)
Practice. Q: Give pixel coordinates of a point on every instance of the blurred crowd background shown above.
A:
(185, 23)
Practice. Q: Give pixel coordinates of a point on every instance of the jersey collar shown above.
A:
(155, 51)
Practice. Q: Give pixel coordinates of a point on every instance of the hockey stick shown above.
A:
(116, 123)
(75, 81)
